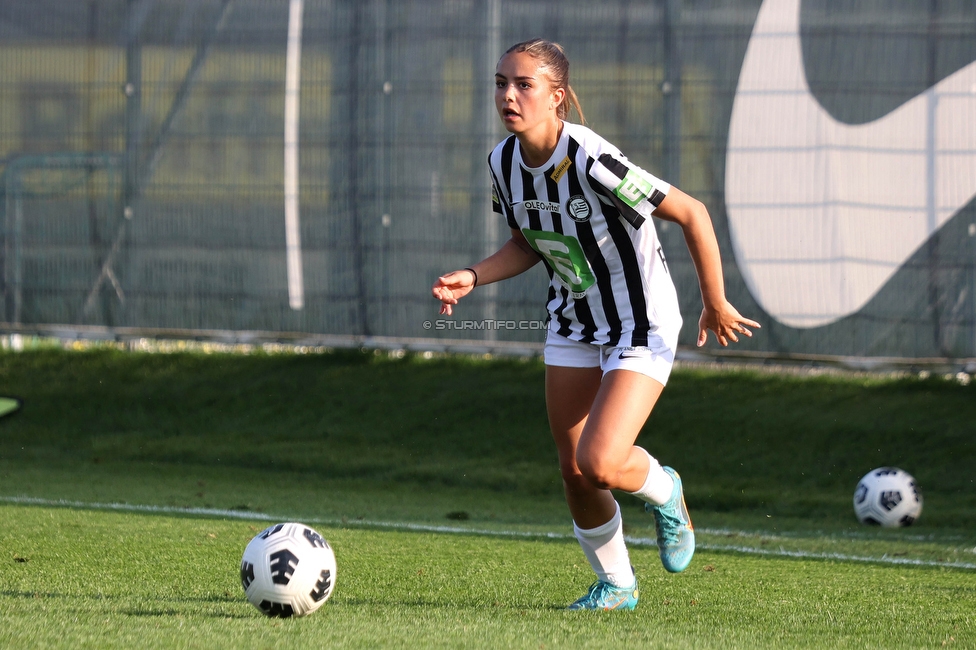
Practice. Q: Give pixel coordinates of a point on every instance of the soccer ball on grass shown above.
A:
(887, 496)
(288, 570)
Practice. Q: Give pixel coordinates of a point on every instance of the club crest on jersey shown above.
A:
(579, 208)
(547, 206)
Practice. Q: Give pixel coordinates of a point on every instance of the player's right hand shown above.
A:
(452, 287)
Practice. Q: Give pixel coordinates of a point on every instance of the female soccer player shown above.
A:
(575, 202)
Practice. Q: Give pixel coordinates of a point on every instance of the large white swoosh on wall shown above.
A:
(822, 213)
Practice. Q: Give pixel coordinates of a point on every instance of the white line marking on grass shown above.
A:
(460, 530)
(843, 557)
(129, 507)
(884, 559)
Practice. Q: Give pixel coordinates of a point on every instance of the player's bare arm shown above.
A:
(514, 257)
(717, 314)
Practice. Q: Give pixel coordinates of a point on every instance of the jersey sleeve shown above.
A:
(500, 205)
(634, 192)
(496, 204)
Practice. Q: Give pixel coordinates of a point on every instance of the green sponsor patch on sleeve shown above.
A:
(633, 189)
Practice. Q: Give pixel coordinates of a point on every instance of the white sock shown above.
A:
(658, 485)
(606, 551)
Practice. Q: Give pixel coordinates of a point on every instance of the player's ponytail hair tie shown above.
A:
(474, 273)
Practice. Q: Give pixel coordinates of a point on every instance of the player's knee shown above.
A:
(576, 483)
(569, 472)
(598, 470)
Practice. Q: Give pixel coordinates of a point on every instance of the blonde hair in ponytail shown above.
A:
(554, 64)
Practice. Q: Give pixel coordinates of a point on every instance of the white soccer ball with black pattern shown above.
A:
(887, 496)
(288, 570)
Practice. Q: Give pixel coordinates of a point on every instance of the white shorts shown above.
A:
(654, 360)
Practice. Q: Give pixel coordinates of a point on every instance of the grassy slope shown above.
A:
(361, 435)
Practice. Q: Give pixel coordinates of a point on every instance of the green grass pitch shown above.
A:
(130, 484)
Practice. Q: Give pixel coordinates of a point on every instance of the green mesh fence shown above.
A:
(155, 154)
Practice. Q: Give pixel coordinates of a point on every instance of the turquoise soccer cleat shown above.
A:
(675, 534)
(604, 596)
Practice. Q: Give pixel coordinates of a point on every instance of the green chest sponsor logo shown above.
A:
(565, 256)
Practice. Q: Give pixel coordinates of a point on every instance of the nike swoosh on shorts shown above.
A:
(823, 213)
(630, 355)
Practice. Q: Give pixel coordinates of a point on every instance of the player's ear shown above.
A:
(558, 97)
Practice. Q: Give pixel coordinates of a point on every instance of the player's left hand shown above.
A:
(726, 322)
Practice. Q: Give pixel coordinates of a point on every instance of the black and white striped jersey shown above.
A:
(586, 212)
